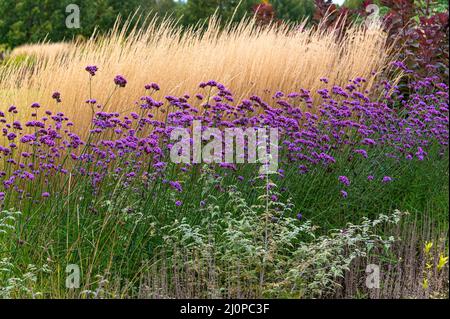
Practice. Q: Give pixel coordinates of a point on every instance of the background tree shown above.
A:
(30, 21)
(293, 10)
(199, 10)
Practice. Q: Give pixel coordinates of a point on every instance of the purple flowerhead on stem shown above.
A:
(387, 179)
(120, 81)
(56, 96)
(91, 69)
(344, 194)
(344, 180)
(155, 86)
(362, 152)
(420, 154)
(299, 216)
(178, 203)
(176, 185)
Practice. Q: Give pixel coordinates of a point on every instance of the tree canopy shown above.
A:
(30, 21)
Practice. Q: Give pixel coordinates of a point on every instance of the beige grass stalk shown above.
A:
(247, 59)
(44, 50)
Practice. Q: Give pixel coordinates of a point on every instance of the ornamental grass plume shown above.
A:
(251, 60)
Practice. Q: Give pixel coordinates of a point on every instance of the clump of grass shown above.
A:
(225, 250)
(42, 51)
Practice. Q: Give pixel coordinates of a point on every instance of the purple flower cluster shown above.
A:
(120, 81)
(91, 69)
(344, 180)
(343, 121)
(57, 97)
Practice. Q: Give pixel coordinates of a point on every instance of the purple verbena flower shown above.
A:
(56, 96)
(120, 81)
(344, 180)
(92, 69)
(387, 179)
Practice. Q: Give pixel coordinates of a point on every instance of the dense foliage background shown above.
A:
(25, 21)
